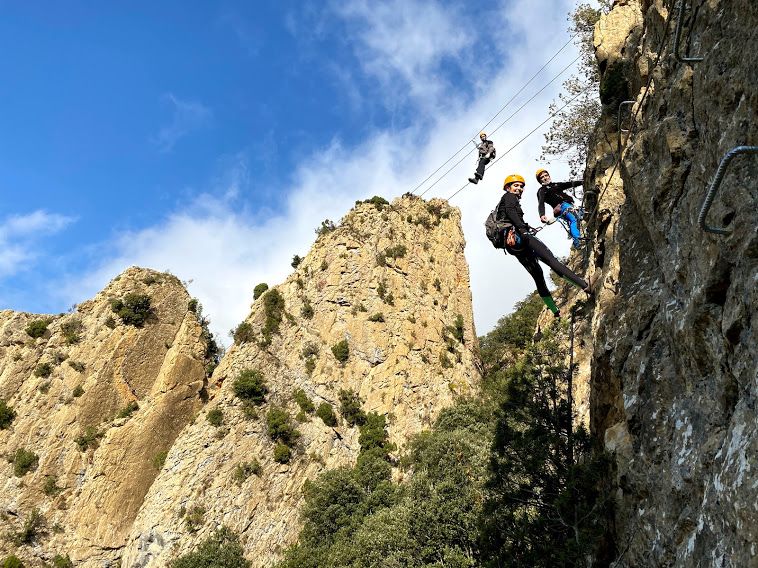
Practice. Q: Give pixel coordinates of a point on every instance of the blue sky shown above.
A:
(211, 138)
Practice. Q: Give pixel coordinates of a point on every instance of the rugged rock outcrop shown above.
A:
(674, 370)
(71, 389)
(392, 282)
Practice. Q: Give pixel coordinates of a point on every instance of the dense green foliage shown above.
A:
(243, 333)
(279, 427)
(220, 550)
(133, 309)
(326, 413)
(302, 400)
(500, 479)
(12, 561)
(37, 328)
(250, 386)
(341, 351)
(259, 290)
(350, 408)
(24, 461)
(60, 561)
(43, 370)
(215, 417)
(273, 306)
(7, 414)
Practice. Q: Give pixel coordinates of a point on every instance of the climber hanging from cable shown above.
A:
(486, 154)
(562, 203)
(519, 240)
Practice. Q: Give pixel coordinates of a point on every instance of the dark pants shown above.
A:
(480, 168)
(530, 251)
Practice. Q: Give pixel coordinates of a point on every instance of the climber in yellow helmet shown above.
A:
(528, 249)
(486, 153)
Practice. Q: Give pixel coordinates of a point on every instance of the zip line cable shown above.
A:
(497, 113)
(502, 123)
(522, 139)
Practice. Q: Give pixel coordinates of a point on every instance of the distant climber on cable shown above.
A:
(486, 154)
(528, 249)
(562, 203)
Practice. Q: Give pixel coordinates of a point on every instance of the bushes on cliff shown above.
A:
(7, 414)
(259, 290)
(220, 550)
(341, 351)
(250, 386)
(350, 408)
(24, 461)
(37, 328)
(326, 413)
(133, 309)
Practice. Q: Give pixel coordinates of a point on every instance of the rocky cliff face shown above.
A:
(674, 370)
(392, 282)
(96, 402)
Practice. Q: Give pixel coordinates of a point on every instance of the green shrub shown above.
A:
(373, 434)
(273, 306)
(159, 460)
(194, 518)
(259, 290)
(215, 417)
(341, 351)
(12, 561)
(296, 260)
(220, 550)
(250, 386)
(279, 427)
(307, 310)
(77, 366)
(397, 251)
(378, 202)
(43, 370)
(327, 226)
(133, 309)
(128, 410)
(50, 487)
(24, 461)
(89, 438)
(377, 317)
(245, 470)
(71, 331)
(457, 328)
(350, 408)
(326, 413)
(78, 391)
(243, 334)
(445, 360)
(110, 322)
(7, 414)
(282, 453)
(33, 527)
(37, 328)
(62, 561)
(302, 400)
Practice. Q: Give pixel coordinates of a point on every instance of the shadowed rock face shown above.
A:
(674, 369)
(404, 261)
(98, 366)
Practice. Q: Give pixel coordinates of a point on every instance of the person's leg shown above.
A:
(548, 258)
(529, 261)
(573, 224)
(480, 168)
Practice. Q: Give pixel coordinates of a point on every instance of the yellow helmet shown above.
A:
(482, 135)
(513, 178)
(540, 171)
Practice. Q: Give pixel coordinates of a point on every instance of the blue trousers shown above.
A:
(570, 218)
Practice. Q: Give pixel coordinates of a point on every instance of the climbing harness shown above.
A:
(716, 183)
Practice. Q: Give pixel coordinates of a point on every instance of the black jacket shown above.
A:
(553, 194)
(509, 209)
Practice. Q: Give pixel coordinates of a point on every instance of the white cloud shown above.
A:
(187, 117)
(19, 236)
(226, 249)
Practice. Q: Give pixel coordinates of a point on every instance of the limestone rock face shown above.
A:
(67, 388)
(392, 282)
(674, 368)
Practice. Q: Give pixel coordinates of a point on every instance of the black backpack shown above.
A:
(496, 229)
